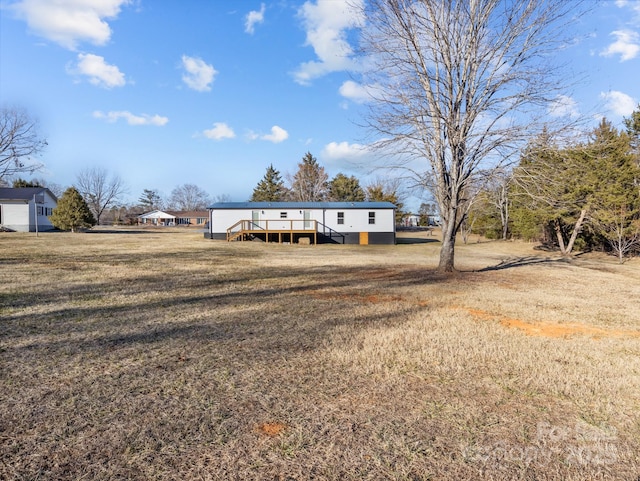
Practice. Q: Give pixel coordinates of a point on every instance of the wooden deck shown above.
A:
(280, 230)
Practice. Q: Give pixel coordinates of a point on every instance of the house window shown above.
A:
(372, 217)
(340, 217)
(283, 215)
(40, 210)
(201, 220)
(48, 211)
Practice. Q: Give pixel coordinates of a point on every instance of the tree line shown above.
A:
(311, 183)
(579, 196)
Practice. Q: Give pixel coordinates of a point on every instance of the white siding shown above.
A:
(19, 215)
(355, 220)
(16, 215)
(43, 220)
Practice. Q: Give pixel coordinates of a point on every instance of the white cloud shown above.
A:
(277, 135)
(564, 106)
(198, 74)
(344, 151)
(619, 103)
(326, 23)
(357, 92)
(252, 18)
(632, 4)
(99, 72)
(68, 22)
(251, 135)
(627, 45)
(131, 119)
(219, 131)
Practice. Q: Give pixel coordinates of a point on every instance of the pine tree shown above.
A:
(310, 183)
(271, 188)
(386, 191)
(25, 183)
(587, 187)
(632, 125)
(150, 200)
(72, 212)
(616, 205)
(345, 189)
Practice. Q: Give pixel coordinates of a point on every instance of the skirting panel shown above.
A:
(382, 237)
(333, 238)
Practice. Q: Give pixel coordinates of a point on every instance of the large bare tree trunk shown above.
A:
(458, 87)
(447, 251)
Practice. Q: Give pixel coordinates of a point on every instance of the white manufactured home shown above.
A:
(27, 209)
(304, 222)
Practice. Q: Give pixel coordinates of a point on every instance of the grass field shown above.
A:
(159, 354)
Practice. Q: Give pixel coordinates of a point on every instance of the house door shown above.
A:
(364, 238)
(255, 218)
(307, 219)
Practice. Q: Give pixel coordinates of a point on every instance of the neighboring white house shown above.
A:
(157, 217)
(410, 220)
(27, 209)
(313, 222)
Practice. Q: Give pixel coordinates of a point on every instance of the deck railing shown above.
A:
(272, 226)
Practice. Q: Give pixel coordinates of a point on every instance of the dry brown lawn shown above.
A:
(158, 354)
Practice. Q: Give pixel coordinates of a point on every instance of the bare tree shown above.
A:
(619, 225)
(55, 188)
(19, 142)
(310, 183)
(100, 190)
(498, 195)
(189, 197)
(457, 86)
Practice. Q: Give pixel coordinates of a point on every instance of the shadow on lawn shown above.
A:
(134, 231)
(415, 240)
(81, 317)
(522, 262)
(241, 321)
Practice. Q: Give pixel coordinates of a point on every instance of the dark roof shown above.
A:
(302, 205)
(188, 213)
(23, 193)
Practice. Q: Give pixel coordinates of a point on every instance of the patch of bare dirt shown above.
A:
(271, 429)
(547, 329)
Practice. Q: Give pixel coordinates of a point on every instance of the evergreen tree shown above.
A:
(271, 188)
(25, 183)
(345, 189)
(558, 185)
(150, 200)
(381, 191)
(589, 185)
(632, 125)
(615, 209)
(310, 183)
(72, 212)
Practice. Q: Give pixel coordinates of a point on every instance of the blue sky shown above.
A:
(165, 93)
